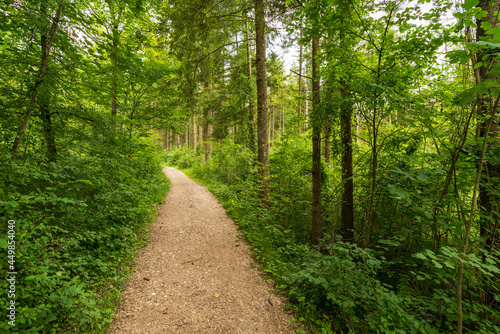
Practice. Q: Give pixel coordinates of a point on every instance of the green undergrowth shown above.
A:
(332, 291)
(339, 288)
(79, 221)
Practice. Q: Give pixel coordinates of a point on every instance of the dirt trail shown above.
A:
(195, 276)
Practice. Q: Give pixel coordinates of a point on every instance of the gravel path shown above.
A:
(195, 275)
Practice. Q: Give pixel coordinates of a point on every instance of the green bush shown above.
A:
(343, 286)
(79, 221)
(392, 288)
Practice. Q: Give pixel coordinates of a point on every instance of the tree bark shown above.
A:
(316, 148)
(206, 129)
(282, 123)
(194, 131)
(373, 180)
(48, 128)
(305, 90)
(114, 60)
(300, 81)
(358, 129)
(273, 125)
(41, 75)
(263, 136)
(488, 125)
(347, 211)
(251, 120)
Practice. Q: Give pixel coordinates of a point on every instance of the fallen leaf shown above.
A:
(216, 295)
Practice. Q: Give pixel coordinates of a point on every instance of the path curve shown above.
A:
(195, 276)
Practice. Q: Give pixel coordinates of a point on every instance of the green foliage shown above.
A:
(343, 286)
(78, 224)
(398, 286)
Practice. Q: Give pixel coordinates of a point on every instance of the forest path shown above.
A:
(195, 275)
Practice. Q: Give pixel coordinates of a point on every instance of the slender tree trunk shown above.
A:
(465, 248)
(282, 124)
(373, 178)
(47, 128)
(200, 136)
(273, 126)
(44, 105)
(251, 118)
(306, 99)
(260, 55)
(206, 128)
(34, 91)
(114, 60)
(347, 211)
(358, 129)
(194, 132)
(488, 124)
(300, 81)
(316, 148)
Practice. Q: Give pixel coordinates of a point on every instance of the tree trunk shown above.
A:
(200, 136)
(41, 75)
(194, 132)
(300, 81)
(358, 129)
(114, 60)
(44, 105)
(373, 178)
(206, 129)
(273, 125)
(306, 110)
(316, 148)
(282, 124)
(488, 125)
(251, 120)
(262, 140)
(47, 128)
(347, 211)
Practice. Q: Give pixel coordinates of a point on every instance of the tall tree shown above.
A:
(488, 168)
(251, 112)
(46, 44)
(261, 79)
(300, 79)
(316, 145)
(114, 34)
(347, 211)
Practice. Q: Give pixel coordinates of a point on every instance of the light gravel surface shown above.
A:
(196, 275)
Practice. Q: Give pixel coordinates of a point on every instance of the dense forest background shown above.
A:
(366, 178)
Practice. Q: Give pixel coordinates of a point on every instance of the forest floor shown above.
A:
(196, 274)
